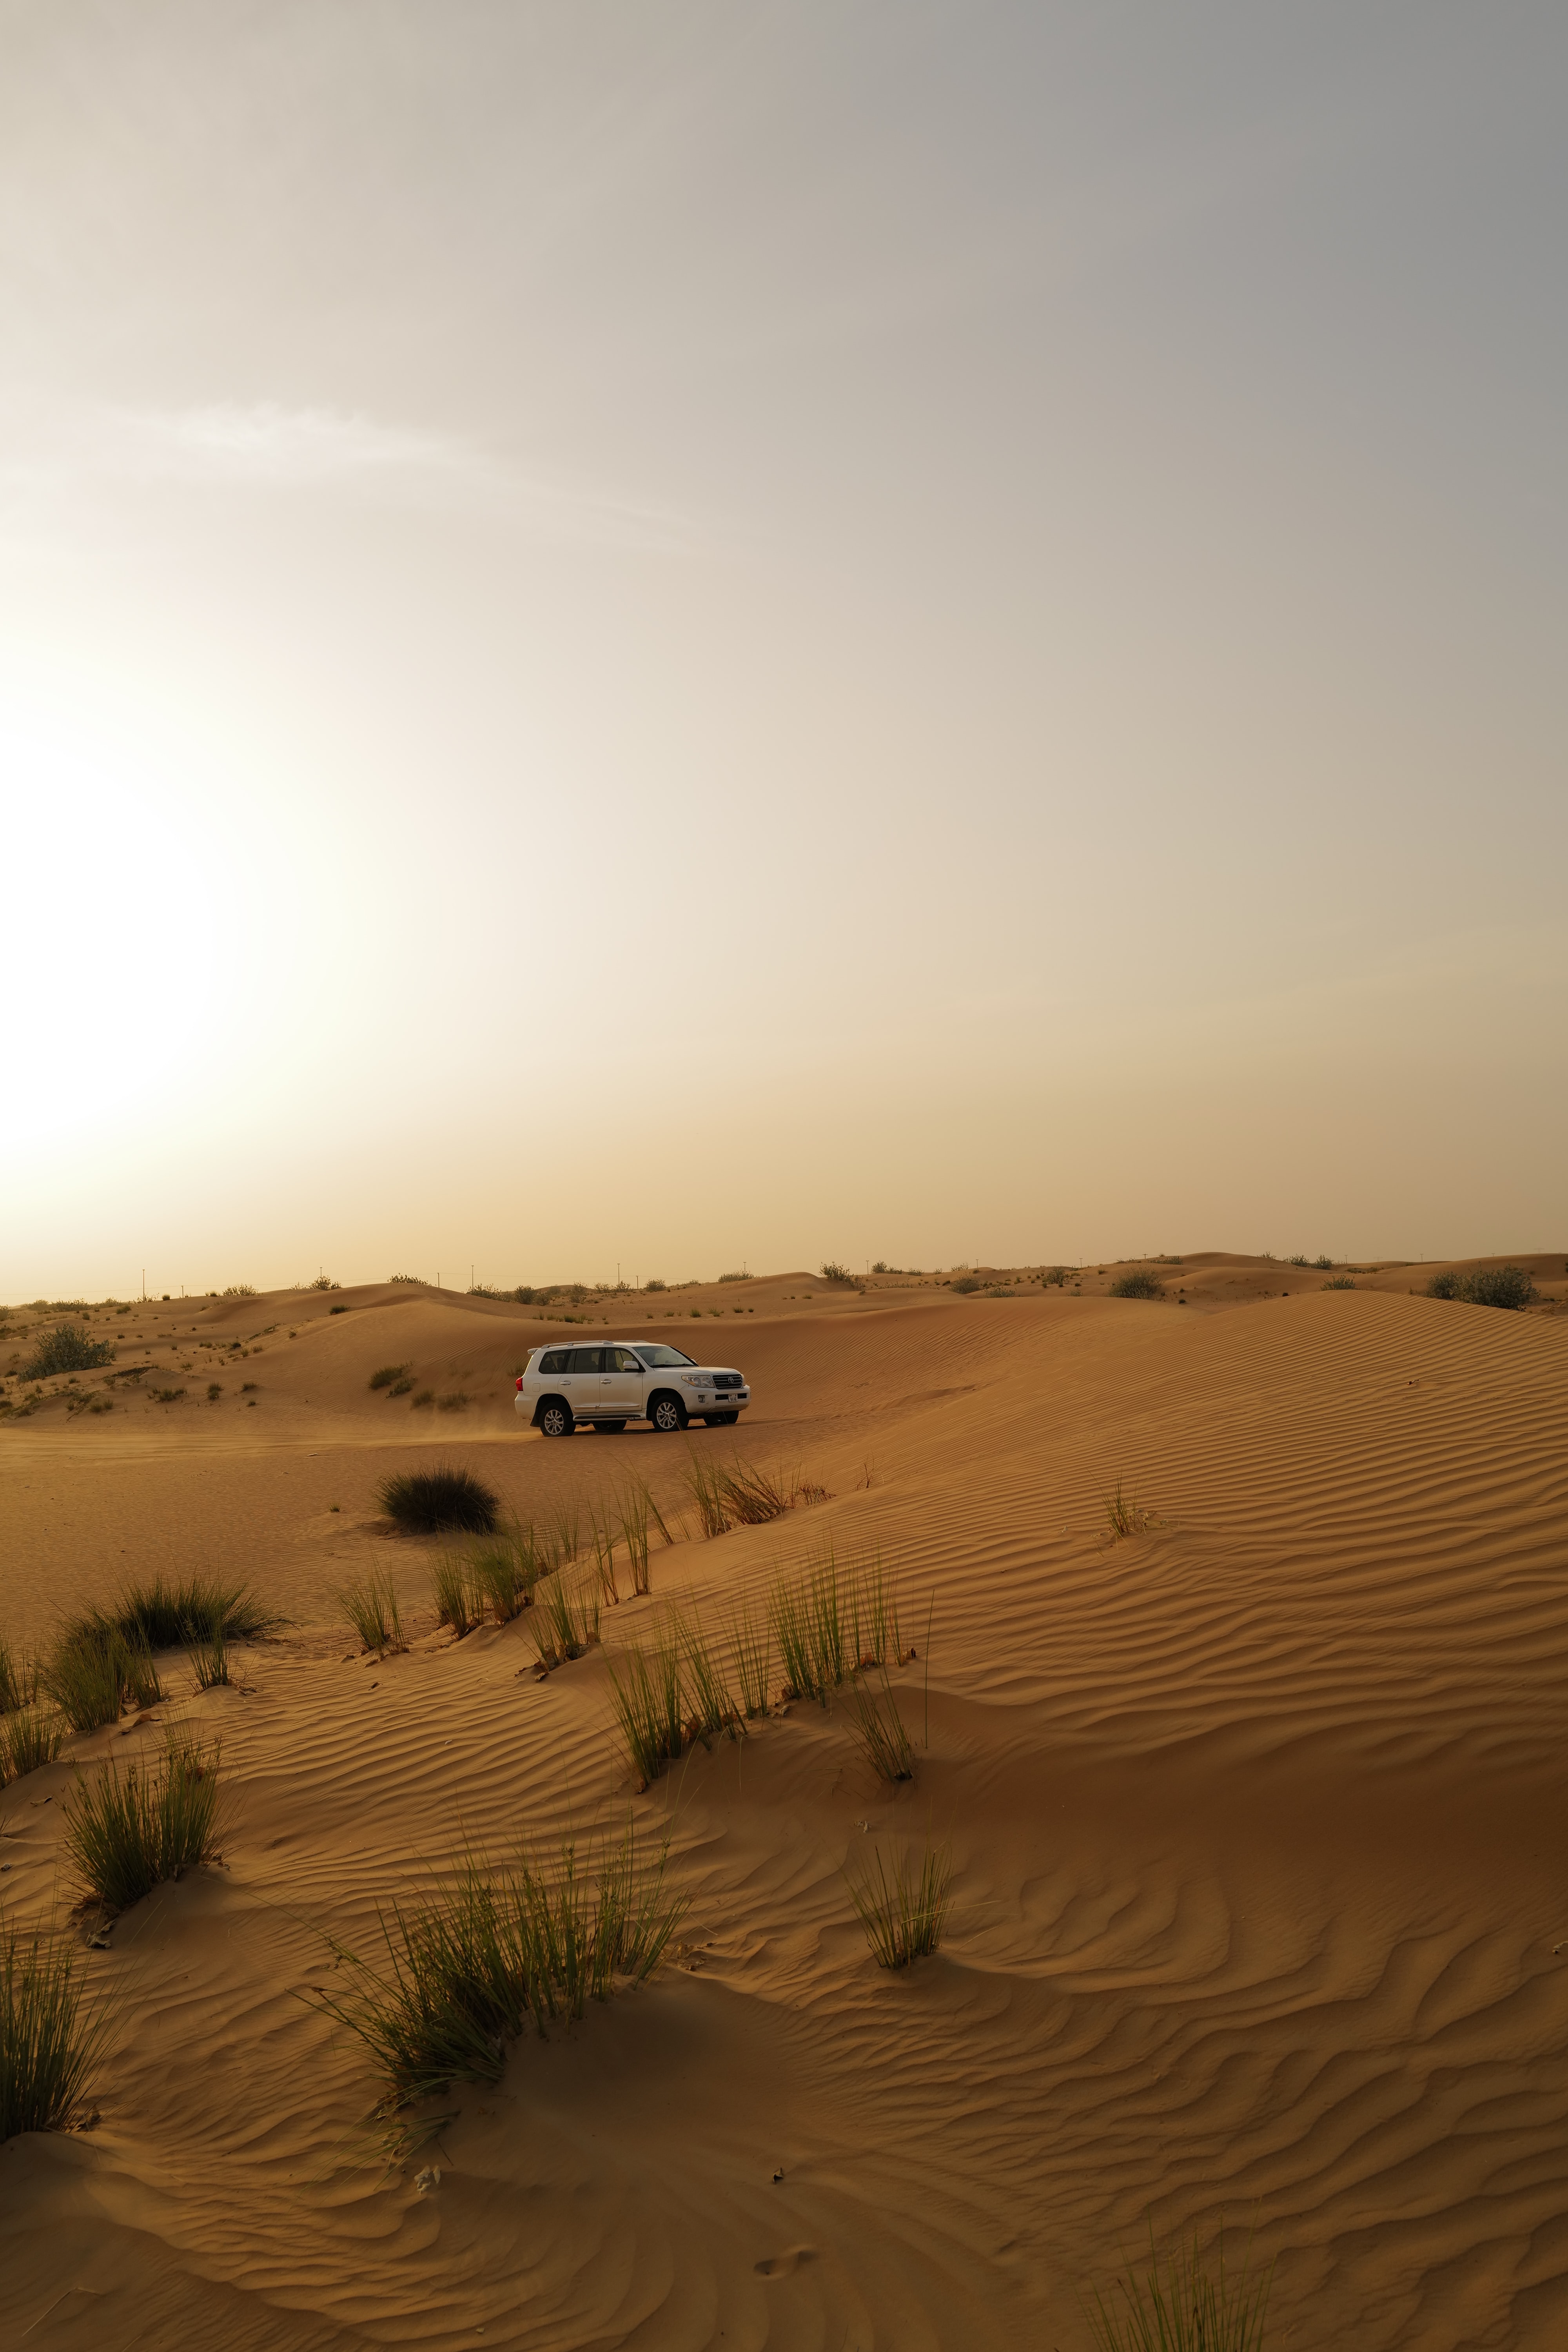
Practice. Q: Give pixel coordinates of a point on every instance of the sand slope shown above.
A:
(1256, 1818)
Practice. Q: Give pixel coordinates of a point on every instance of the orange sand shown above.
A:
(1257, 1820)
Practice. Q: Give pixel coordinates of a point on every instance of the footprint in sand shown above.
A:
(781, 2265)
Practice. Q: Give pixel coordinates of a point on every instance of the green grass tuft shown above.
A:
(28, 1738)
(1179, 2305)
(882, 1730)
(424, 1502)
(1340, 1282)
(901, 1912)
(370, 1606)
(385, 1374)
(454, 1597)
(471, 1967)
(1125, 1516)
(127, 1832)
(46, 2046)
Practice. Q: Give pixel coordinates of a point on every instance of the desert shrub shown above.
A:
(28, 1738)
(1340, 1282)
(157, 1614)
(1054, 1277)
(1300, 1258)
(1322, 1263)
(1510, 1286)
(405, 1278)
(741, 1277)
(338, 1310)
(370, 1606)
(654, 1283)
(966, 1283)
(903, 1912)
(240, 1290)
(503, 1571)
(47, 2044)
(425, 1502)
(881, 1267)
(384, 1374)
(469, 1967)
(323, 1282)
(1179, 2305)
(66, 1349)
(129, 1830)
(215, 1390)
(1139, 1284)
(831, 1271)
(455, 1400)
(425, 1397)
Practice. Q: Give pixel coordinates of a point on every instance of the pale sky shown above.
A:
(662, 635)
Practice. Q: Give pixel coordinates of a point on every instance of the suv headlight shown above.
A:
(695, 1379)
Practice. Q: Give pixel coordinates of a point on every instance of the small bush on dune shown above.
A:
(46, 2046)
(384, 1375)
(1180, 2306)
(472, 1967)
(903, 1912)
(66, 1349)
(371, 1607)
(655, 1284)
(965, 1282)
(1511, 1286)
(1322, 1263)
(127, 1832)
(1140, 1285)
(157, 1614)
(1341, 1282)
(425, 1502)
(831, 1271)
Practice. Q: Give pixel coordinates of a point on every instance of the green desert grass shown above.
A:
(456, 1604)
(158, 1614)
(1340, 1282)
(751, 1646)
(206, 1647)
(504, 1570)
(741, 1495)
(645, 1697)
(882, 1730)
(428, 1502)
(370, 1605)
(90, 1674)
(385, 1374)
(468, 1970)
(903, 1911)
(47, 2043)
(130, 1828)
(28, 1738)
(1181, 2304)
(638, 1515)
(18, 1678)
(564, 1623)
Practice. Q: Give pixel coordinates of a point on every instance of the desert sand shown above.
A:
(1255, 1815)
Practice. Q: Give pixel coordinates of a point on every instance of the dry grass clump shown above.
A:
(1139, 1284)
(1179, 2305)
(902, 1911)
(1125, 1516)
(385, 1374)
(470, 1966)
(127, 1832)
(426, 1502)
(743, 1496)
(46, 2044)
(370, 1606)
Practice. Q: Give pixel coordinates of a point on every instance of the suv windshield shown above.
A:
(662, 1359)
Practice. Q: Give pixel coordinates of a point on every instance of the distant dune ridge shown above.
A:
(1256, 1903)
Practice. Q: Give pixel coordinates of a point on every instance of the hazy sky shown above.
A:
(662, 633)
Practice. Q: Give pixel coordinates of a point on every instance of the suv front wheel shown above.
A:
(555, 1419)
(666, 1413)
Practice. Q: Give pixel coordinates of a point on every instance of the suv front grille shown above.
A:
(727, 1380)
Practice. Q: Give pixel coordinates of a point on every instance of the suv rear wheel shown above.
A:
(667, 1413)
(555, 1419)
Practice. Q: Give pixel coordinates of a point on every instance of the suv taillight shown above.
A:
(519, 1383)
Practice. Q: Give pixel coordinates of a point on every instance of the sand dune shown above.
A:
(1254, 1816)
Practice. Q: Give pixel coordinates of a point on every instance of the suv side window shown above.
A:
(626, 1361)
(555, 1361)
(588, 1360)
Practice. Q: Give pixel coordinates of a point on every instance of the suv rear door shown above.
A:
(584, 1368)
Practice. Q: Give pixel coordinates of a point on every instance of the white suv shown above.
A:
(624, 1381)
